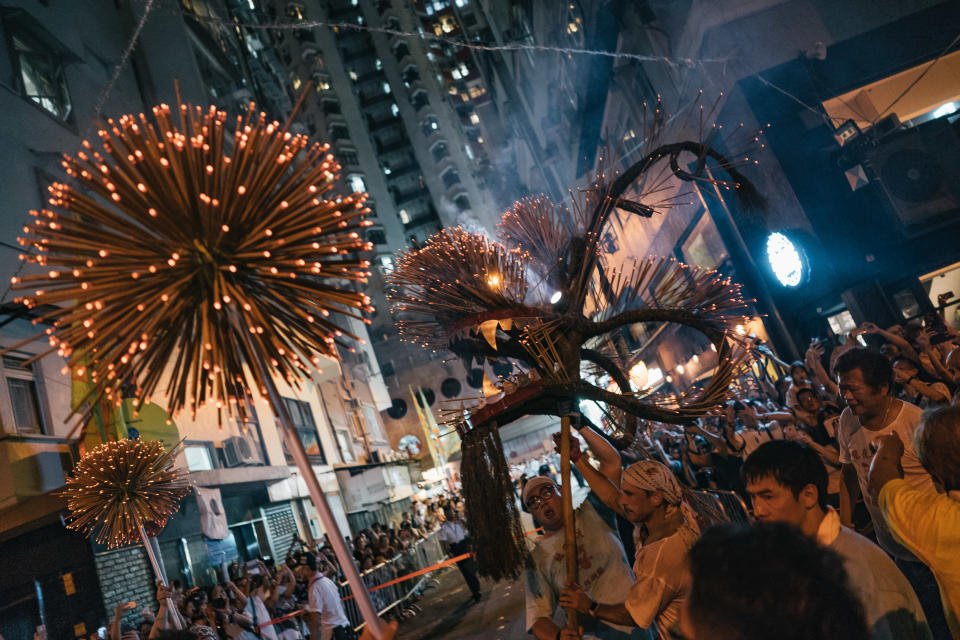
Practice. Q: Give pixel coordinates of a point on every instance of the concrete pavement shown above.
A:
(448, 612)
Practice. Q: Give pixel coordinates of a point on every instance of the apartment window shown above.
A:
(404, 216)
(386, 264)
(302, 417)
(394, 110)
(348, 157)
(419, 99)
(339, 132)
(330, 106)
(450, 177)
(198, 457)
(39, 71)
(476, 92)
(429, 125)
(474, 118)
(439, 151)
(343, 443)
(296, 11)
(24, 394)
(372, 423)
(376, 236)
(462, 202)
(355, 180)
(411, 74)
(401, 51)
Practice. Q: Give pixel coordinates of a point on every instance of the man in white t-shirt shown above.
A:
(453, 536)
(602, 564)
(865, 379)
(326, 618)
(604, 571)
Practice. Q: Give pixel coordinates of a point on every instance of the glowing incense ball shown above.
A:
(178, 254)
(121, 485)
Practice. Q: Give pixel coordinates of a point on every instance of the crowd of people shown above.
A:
(853, 480)
(300, 597)
(849, 465)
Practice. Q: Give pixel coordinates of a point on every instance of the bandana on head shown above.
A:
(654, 476)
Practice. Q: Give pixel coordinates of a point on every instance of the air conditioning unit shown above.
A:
(241, 451)
(918, 170)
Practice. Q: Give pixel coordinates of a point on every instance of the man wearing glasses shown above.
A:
(604, 571)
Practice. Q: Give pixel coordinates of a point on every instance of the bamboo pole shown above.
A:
(172, 613)
(295, 447)
(569, 525)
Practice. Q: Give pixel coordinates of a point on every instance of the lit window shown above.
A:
(394, 109)
(386, 87)
(474, 118)
(379, 64)
(198, 457)
(476, 92)
(296, 82)
(352, 74)
(455, 73)
(464, 97)
(356, 183)
(468, 151)
(461, 3)
(40, 74)
(295, 11)
(404, 216)
(572, 27)
(629, 135)
(480, 139)
(447, 24)
(464, 70)
(386, 264)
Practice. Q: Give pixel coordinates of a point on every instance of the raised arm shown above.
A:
(606, 489)
(815, 365)
(604, 452)
(905, 347)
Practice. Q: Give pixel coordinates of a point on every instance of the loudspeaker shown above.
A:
(919, 171)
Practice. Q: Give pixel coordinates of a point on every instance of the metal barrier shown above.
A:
(422, 554)
(720, 504)
(733, 506)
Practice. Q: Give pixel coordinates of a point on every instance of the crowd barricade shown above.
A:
(422, 554)
(733, 505)
(728, 503)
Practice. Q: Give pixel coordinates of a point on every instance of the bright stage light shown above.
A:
(785, 260)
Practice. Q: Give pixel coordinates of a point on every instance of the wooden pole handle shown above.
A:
(569, 526)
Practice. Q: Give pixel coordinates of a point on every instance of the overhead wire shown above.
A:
(465, 44)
